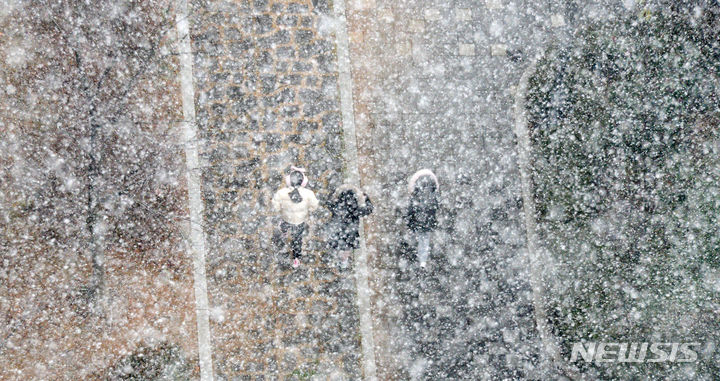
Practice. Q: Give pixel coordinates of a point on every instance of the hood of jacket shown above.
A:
(298, 169)
(422, 173)
(359, 194)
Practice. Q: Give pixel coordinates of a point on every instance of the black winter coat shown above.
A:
(422, 212)
(345, 220)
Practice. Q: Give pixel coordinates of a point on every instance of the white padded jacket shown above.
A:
(291, 212)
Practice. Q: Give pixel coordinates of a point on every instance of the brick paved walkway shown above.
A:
(434, 86)
(266, 85)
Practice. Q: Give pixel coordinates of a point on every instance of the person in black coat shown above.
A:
(422, 210)
(347, 205)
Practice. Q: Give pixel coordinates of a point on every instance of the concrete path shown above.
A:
(435, 85)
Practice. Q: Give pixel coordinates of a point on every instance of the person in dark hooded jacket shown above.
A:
(421, 217)
(347, 205)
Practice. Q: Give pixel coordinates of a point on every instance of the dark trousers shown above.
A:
(296, 233)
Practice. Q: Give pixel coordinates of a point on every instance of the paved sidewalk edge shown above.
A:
(352, 174)
(536, 263)
(195, 204)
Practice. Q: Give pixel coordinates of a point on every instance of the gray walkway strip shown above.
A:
(352, 174)
(536, 261)
(195, 204)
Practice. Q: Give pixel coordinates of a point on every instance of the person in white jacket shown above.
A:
(295, 202)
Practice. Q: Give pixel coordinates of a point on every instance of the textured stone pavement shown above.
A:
(434, 84)
(266, 97)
